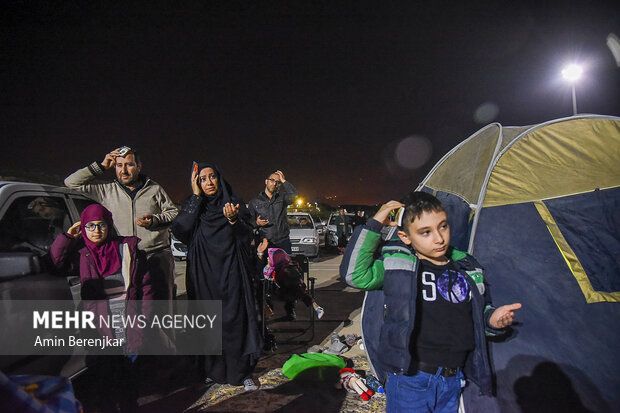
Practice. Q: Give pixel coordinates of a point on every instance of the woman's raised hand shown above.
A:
(75, 231)
(230, 212)
(195, 184)
(260, 249)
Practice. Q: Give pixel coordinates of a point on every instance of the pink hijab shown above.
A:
(278, 258)
(106, 254)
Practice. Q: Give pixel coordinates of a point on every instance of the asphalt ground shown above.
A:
(174, 384)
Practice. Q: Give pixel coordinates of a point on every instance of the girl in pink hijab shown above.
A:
(101, 258)
(112, 270)
(288, 279)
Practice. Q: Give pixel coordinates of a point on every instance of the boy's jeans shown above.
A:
(423, 392)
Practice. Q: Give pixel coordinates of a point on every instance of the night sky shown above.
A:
(356, 100)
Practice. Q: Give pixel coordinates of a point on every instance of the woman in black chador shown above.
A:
(215, 225)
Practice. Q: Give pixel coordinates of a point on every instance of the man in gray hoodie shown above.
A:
(140, 207)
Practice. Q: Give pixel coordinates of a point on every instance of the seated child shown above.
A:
(287, 276)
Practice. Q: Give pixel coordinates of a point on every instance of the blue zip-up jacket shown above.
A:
(388, 270)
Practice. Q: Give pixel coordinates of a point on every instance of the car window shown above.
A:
(81, 204)
(300, 221)
(31, 223)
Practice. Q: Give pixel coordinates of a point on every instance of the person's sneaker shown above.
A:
(249, 385)
(319, 312)
(209, 382)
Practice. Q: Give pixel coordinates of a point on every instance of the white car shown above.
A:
(179, 250)
(331, 239)
(304, 235)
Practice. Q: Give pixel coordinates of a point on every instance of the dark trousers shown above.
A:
(284, 245)
(161, 270)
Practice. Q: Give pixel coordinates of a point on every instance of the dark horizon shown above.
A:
(324, 92)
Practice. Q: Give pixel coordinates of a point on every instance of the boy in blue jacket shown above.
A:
(426, 314)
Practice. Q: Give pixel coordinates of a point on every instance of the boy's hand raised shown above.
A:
(384, 212)
(503, 316)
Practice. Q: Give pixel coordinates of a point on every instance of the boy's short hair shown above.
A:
(417, 202)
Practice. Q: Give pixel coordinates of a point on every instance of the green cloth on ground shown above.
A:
(300, 362)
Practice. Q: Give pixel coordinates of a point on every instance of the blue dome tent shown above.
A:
(539, 207)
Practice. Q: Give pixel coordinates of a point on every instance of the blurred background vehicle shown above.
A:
(304, 235)
(320, 229)
(179, 250)
(331, 239)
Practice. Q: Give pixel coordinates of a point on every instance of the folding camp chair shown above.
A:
(303, 327)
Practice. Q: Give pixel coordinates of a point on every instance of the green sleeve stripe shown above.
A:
(363, 270)
(407, 255)
(457, 255)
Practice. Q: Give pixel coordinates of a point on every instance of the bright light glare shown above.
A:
(572, 72)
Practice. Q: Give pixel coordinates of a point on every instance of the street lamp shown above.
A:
(572, 73)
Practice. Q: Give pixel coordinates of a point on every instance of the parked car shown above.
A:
(304, 235)
(321, 228)
(179, 250)
(31, 216)
(331, 239)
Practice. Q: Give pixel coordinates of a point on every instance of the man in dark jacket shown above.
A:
(268, 211)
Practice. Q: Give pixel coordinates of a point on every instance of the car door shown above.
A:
(29, 223)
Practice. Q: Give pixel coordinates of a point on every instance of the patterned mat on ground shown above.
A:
(268, 398)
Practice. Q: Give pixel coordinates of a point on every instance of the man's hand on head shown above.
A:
(281, 174)
(145, 220)
(110, 159)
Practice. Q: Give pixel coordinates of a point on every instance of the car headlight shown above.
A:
(309, 240)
